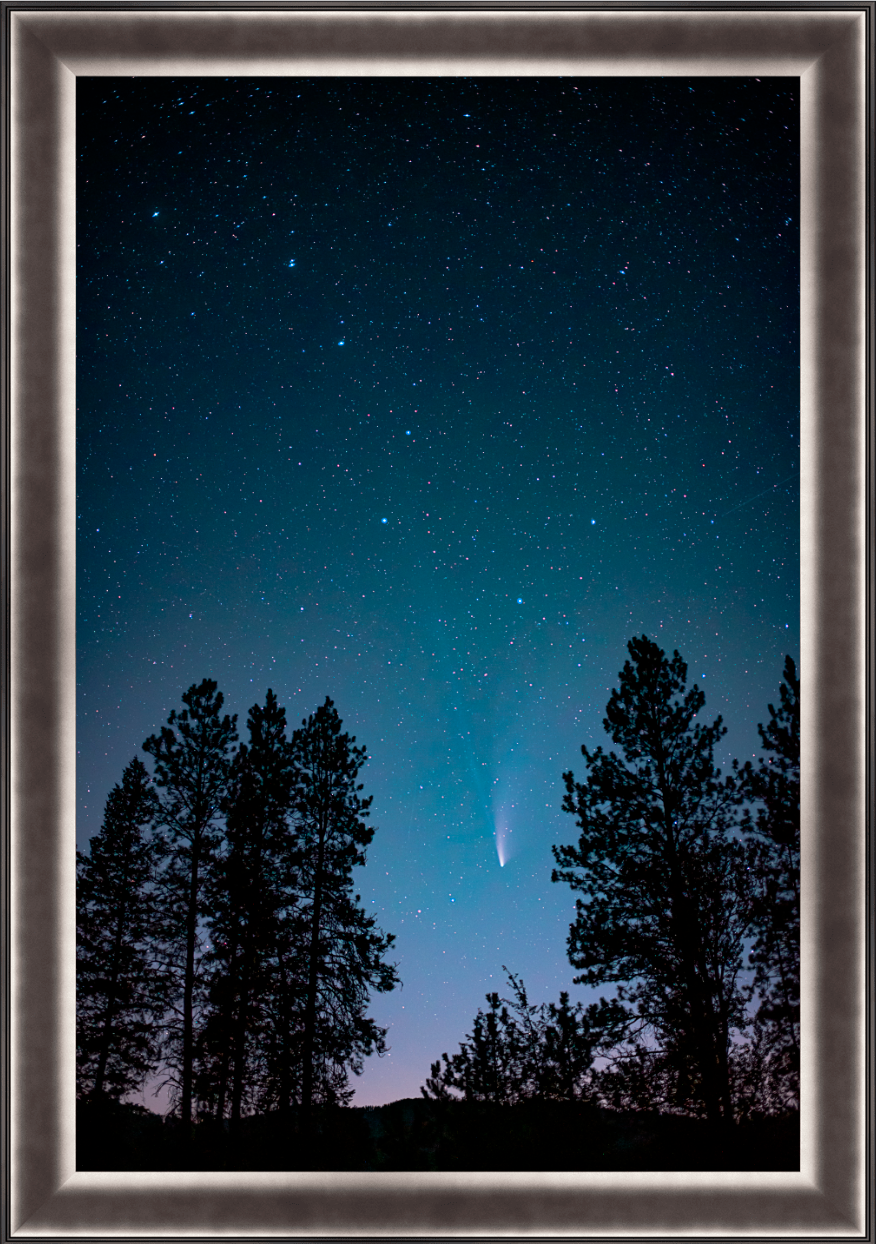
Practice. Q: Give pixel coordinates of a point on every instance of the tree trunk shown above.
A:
(189, 989)
(312, 982)
(254, 906)
(240, 1028)
(105, 1039)
(112, 994)
(285, 1077)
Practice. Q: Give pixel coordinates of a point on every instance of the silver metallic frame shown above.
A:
(829, 47)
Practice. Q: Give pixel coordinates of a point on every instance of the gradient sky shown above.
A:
(428, 395)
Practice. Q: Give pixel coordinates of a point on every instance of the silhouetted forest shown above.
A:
(222, 951)
(221, 947)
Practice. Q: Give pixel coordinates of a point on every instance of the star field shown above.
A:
(428, 395)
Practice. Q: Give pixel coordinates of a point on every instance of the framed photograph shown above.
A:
(826, 50)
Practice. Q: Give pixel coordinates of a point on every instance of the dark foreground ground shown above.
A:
(418, 1135)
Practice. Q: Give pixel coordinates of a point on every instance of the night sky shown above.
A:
(428, 395)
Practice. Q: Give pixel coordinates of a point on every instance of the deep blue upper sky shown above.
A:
(428, 395)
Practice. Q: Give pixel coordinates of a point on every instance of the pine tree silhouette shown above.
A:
(666, 903)
(192, 762)
(121, 992)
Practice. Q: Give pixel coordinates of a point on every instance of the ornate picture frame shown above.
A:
(828, 47)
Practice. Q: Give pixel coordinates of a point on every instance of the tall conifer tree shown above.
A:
(192, 759)
(773, 785)
(250, 892)
(666, 905)
(121, 993)
(343, 951)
